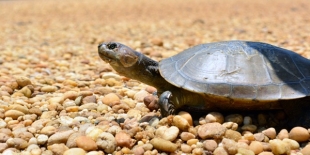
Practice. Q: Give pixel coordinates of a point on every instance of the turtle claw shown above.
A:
(165, 104)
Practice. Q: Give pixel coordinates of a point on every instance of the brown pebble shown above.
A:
(283, 134)
(243, 151)
(230, 146)
(18, 143)
(13, 114)
(210, 145)
(185, 136)
(48, 89)
(256, 147)
(211, 130)
(299, 134)
(180, 122)
(124, 140)
(231, 134)
(138, 150)
(252, 128)
(3, 146)
(75, 151)
(259, 136)
(150, 102)
(186, 148)
(89, 99)
(164, 145)
(306, 150)
(58, 149)
(157, 41)
(23, 81)
(270, 133)
(266, 153)
(86, 143)
(35, 110)
(214, 117)
(192, 142)
(140, 95)
(279, 147)
(220, 151)
(110, 99)
(25, 91)
(236, 118)
(151, 89)
(187, 116)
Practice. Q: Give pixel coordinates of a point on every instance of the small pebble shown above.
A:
(211, 130)
(185, 136)
(167, 133)
(124, 140)
(58, 149)
(236, 118)
(186, 148)
(259, 137)
(17, 143)
(42, 139)
(270, 133)
(306, 150)
(86, 143)
(266, 153)
(279, 147)
(150, 102)
(75, 151)
(23, 81)
(299, 134)
(59, 137)
(138, 150)
(214, 117)
(210, 145)
(163, 145)
(231, 134)
(251, 128)
(151, 89)
(140, 95)
(192, 142)
(283, 134)
(230, 146)
(48, 130)
(13, 114)
(220, 151)
(106, 141)
(256, 147)
(243, 151)
(48, 89)
(110, 99)
(187, 116)
(294, 145)
(247, 120)
(180, 122)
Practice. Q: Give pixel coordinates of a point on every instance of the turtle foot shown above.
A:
(165, 104)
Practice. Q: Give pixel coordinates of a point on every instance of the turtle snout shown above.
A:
(100, 45)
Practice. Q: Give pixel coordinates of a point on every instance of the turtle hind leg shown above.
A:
(165, 104)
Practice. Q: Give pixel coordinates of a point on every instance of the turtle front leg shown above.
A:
(165, 104)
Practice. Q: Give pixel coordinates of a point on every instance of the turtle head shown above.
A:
(118, 55)
(131, 63)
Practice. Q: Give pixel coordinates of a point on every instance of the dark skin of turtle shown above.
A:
(173, 97)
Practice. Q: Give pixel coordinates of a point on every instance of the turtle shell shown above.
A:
(239, 70)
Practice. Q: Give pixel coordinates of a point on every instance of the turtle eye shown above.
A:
(111, 46)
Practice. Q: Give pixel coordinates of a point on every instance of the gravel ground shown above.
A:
(58, 97)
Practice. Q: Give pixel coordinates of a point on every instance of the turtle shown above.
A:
(226, 75)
